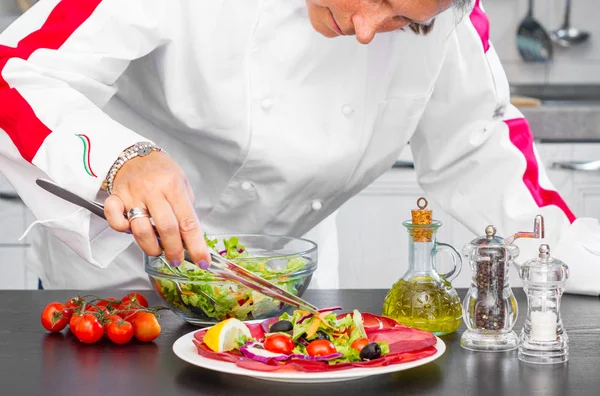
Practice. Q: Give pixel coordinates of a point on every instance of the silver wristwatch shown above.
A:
(140, 149)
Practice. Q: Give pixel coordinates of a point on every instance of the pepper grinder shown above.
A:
(543, 339)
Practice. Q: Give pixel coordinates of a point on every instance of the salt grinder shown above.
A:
(543, 339)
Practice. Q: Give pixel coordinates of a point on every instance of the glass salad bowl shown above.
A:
(202, 298)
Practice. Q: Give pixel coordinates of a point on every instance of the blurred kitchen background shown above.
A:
(560, 98)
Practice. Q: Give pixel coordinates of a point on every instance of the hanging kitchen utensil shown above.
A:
(566, 35)
(533, 41)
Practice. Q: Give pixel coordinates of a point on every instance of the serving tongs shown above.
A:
(220, 266)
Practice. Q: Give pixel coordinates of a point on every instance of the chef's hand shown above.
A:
(156, 183)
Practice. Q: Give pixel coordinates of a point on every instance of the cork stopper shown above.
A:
(421, 216)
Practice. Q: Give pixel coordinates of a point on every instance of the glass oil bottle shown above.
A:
(423, 298)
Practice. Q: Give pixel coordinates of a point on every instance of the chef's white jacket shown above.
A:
(275, 126)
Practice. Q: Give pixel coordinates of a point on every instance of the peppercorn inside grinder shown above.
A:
(543, 339)
(490, 308)
(423, 298)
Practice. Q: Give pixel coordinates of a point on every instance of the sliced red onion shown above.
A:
(262, 355)
(222, 252)
(303, 341)
(252, 351)
(322, 358)
(336, 308)
(304, 317)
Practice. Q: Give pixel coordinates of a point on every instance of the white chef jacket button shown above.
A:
(317, 205)
(347, 109)
(246, 185)
(266, 104)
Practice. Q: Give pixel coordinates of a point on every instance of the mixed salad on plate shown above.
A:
(204, 293)
(307, 342)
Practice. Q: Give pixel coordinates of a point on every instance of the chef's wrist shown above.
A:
(140, 149)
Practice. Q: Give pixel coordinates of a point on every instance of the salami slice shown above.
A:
(403, 339)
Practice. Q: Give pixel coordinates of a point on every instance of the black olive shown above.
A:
(321, 335)
(282, 326)
(370, 351)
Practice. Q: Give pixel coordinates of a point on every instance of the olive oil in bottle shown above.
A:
(422, 304)
(423, 298)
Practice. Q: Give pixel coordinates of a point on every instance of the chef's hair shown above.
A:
(462, 6)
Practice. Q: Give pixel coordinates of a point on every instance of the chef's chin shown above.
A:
(324, 30)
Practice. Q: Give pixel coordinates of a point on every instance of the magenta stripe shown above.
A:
(521, 137)
(482, 24)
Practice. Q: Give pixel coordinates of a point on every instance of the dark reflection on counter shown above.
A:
(544, 379)
(72, 367)
(420, 378)
(413, 381)
(490, 371)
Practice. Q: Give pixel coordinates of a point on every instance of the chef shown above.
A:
(248, 116)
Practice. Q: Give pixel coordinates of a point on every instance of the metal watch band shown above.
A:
(140, 149)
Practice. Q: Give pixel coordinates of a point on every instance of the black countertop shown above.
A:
(33, 362)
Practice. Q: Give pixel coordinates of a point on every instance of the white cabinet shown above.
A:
(579, 188)
(13, 222)
(374, 244)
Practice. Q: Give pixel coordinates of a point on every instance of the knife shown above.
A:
(220, 265)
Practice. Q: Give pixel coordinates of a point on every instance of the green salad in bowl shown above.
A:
(202, 298)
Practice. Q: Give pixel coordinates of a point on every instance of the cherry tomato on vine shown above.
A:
(89, 308)
(279, 343)
(120, 332)
(133, 297)
(88, 329)
(146, 327)
(113, 318)
(73, 321)
(72, 305)
(107, 319)
(104, 303)
(53, 317)
(129, 313)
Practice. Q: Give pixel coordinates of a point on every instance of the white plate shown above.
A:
(185, 349)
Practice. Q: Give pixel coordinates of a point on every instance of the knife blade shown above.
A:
(61, 192)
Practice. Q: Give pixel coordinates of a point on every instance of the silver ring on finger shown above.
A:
(136, 213)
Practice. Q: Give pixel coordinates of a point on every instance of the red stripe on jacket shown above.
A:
(17, 117)
(482, 25)
(521, 137)
(520, 133)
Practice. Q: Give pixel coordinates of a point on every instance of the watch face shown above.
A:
(144, 151)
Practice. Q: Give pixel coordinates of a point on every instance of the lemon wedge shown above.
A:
(221, 337)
